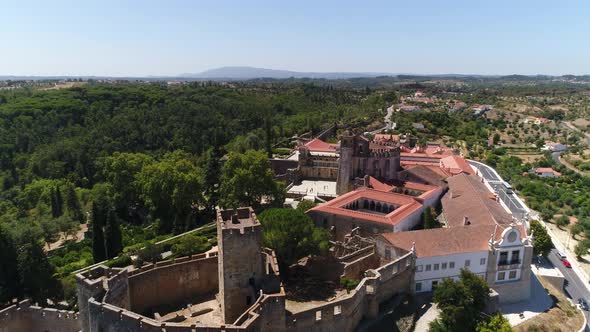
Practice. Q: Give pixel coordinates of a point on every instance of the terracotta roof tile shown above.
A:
(406, 205)
(318, 145)
(468, 197)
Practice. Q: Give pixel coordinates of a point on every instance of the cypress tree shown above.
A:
(73, 204)
(9, 283)
(59, 202)
(98, 243)
(113, 238)
(52, 198)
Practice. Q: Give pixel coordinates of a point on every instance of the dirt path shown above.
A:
(62, 238)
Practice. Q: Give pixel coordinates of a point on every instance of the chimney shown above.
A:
(466, 221)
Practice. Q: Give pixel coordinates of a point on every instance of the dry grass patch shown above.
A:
(563, 316)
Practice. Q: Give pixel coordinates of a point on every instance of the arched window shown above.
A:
(365, 204)
(378, 207)
(372, 206)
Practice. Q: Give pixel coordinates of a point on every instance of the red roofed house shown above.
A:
(546, 172)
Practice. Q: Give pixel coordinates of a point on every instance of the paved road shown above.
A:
(574, 288)
(388, 124)
(507, 196)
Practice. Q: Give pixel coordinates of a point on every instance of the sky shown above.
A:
(171, 37)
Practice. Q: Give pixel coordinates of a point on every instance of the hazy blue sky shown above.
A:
(53, 37)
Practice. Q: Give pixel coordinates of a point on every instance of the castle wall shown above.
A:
(23, 317)
(171, 282)
(367, 259)
(280, 166)
(345, 313)
(319, 172)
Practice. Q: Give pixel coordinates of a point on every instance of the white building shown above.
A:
(479, 235)
(554, 147)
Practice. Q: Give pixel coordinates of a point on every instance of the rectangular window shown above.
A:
(436, 267)
(512, 275)
(482, 261)
(451, 265)
(515, 257)
(418, 286)
(503, 258)
(337, 310)
(318, 315)
(428, 267)
(418, 268)
(467, 262)
(434, 283)
(387, 253)
(501, 275)
(443, 266)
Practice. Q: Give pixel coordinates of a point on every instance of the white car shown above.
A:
(560, 254)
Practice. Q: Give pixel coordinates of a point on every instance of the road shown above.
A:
(508, 197)
(388, 124)
(575, 287)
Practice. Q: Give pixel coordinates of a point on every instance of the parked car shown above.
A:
(583, 304)
(560, 254)
(566, 263)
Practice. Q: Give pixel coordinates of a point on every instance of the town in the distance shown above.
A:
(390, 203)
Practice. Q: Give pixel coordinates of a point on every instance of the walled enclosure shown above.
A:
(24, 317)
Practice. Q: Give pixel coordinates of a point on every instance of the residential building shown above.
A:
(546, 172)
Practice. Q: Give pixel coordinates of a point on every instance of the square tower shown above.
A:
(241, 268)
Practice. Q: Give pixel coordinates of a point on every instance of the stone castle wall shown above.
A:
(345, 313)
(172, 282)
(24, 317)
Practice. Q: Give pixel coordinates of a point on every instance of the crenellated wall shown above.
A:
(24, 317)
(172, 282)
(345, 313)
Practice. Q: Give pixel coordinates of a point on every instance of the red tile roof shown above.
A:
(539, 170)
(468, 197)
(406, 205)
(448, 241)
(456, 164)
(317, 145)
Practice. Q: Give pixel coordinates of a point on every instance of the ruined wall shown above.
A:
(280, 166)
(173, 281)
(23, 317)
(345, 313)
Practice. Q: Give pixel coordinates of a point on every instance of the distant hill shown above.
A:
(245, 73)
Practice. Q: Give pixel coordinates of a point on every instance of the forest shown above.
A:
(139, 162)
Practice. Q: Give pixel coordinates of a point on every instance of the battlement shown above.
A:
(23, 316)
(237, 218)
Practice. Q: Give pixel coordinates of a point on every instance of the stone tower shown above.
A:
(240, 261)
(345, 163)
